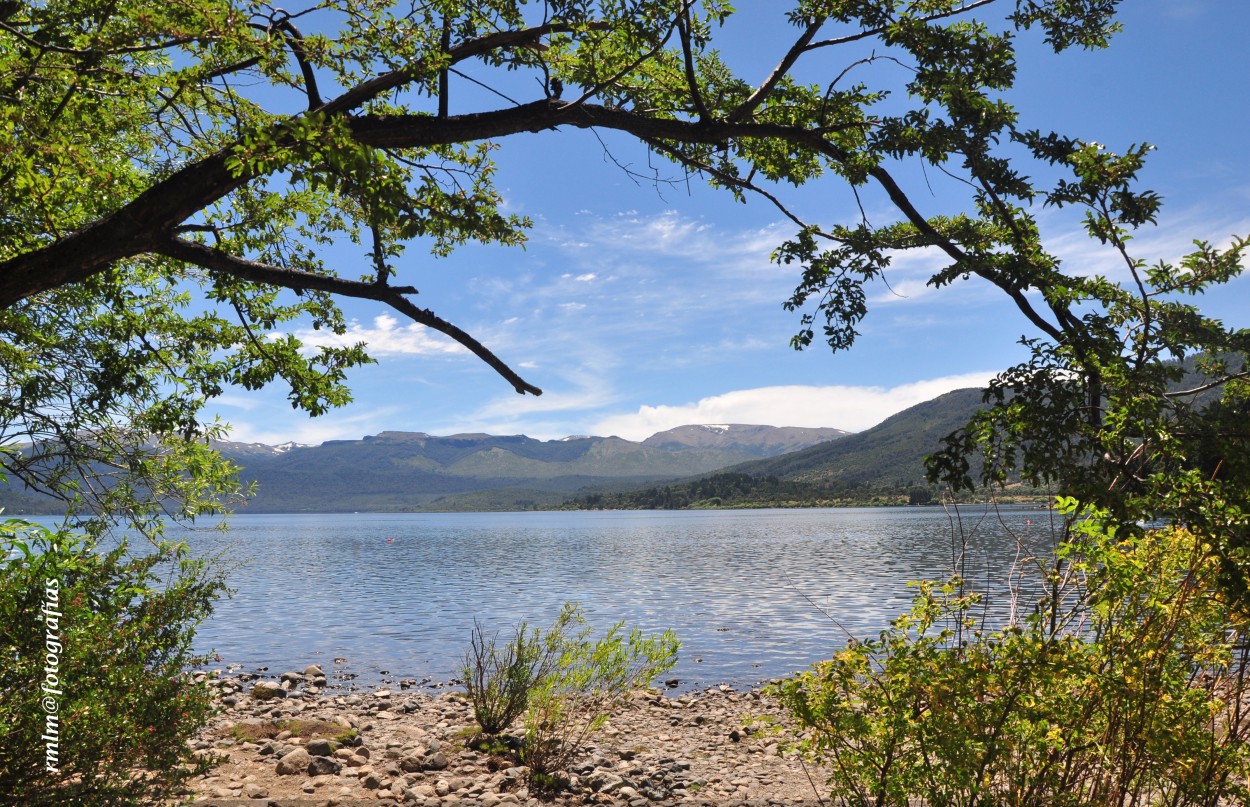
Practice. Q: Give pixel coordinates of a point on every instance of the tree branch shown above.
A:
(368, 90)
(761, 93)
(687, 50)
(871, 32)
(216, 260)
(946, 245)
(147, 220)
(296, 41)
(1204, 387)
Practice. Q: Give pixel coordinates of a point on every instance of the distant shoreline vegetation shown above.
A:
(736, 491)
(726, 491)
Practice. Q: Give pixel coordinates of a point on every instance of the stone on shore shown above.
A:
(294, 762)
(266, 690)
(660, 748)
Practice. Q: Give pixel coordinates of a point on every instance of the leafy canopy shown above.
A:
(170, 175)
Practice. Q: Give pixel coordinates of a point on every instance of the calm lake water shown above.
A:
(752, 594)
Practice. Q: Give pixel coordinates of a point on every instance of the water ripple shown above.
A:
(752, 594)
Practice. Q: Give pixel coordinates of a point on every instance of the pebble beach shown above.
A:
(295, 741)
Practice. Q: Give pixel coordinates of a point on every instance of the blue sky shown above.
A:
(639, 307)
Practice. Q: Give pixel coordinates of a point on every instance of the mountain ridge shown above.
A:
(398, 471)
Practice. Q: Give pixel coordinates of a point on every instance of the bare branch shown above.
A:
(443, 81)
(296, 40)
(1219, 382)
(725, 179)
(900, 200)
(787, 62)
(218, 261)
(687, 51)
(368, 90)
(842, 40)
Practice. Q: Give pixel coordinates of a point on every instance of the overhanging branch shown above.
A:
(216, 260)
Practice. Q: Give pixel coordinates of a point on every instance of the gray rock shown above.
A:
(324, 766)
(435, 762)
(294, 762)
(602, 781)
(313, 671)
(251, 790)
(265, 690)
(320, 747)
(410, 763)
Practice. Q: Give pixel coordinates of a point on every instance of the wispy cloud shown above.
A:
(387, 337)
(555, 414)
(631, 286)
(676, 238)
(1065, 237)
(345, 424)
(840, 407)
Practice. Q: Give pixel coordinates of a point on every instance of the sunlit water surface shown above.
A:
(752, 594)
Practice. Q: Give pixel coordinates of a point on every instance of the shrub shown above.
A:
(498, 682)
(590, 677)
(1125, 686)
(96, 706)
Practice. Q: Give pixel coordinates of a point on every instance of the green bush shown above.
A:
(96, 705)
(498, 682)
(591, 675)
(1125, 686)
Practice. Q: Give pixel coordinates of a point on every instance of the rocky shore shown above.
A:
(294, 742)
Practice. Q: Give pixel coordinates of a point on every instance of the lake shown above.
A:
(752, 594)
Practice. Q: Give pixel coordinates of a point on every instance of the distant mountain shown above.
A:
(886, 458)
(890, 454)
(762, 441)
(395, 471)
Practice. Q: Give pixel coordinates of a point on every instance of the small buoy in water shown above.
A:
(390, 540)
(1028, 521)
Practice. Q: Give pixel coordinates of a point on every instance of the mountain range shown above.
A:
(883, 464)
(410, 471)
(400, 471)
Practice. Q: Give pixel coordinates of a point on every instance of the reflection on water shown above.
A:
(752, 594)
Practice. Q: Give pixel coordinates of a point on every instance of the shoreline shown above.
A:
(312, 745)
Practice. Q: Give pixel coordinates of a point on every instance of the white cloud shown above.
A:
(386, 338)
(587, 392)
(245, 402)
(1169, 241)
(1080, 254)
(839, 407)
(314, 431)
(675, 237)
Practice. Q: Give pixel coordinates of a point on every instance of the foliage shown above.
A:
(590, 676)
(1125, 685)
(107, 635)
(498, 682)
(172, 177)
(739, 490)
